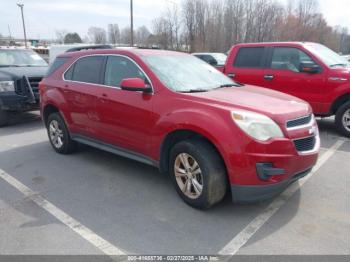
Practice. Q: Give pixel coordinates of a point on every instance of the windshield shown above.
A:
(186, 73)
(221, 58)
(20, 57)
(327, 56)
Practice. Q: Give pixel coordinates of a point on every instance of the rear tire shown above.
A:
(4, 118)
(59, 135)
(205, 172)
(342, 119)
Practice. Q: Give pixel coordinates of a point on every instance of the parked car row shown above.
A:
(213, 130)
(178, 113)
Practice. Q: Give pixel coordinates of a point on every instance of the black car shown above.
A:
(21, 70)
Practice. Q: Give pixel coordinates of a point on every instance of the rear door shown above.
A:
(247, 66)
(284, 75)
(82, 81)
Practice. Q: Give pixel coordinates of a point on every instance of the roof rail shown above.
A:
(89, 47)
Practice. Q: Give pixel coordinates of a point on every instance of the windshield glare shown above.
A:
(19, 57)
(186, 73)
(328, 56)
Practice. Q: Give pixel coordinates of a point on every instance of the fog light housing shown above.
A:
(266, 170)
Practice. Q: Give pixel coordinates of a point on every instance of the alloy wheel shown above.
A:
(56, 134)
(346, 120)
(188, 175)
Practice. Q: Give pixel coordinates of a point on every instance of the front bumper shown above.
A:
(10, 101)
(253, 193)
(267, 169)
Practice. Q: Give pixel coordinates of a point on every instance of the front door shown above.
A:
(126, 117)
(284, 75)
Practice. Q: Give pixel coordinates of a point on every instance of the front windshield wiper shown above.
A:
(195, 91)
(28, 65)
(338, 65)
(229, 85)
(9, 65)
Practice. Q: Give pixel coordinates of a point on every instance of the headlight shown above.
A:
(6, 86)
(256, 125)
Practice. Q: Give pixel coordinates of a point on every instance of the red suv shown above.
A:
(178, 113)
(309, 71)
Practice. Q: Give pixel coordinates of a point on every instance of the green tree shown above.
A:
(72, 38)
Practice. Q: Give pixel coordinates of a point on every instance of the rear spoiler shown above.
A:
(89, 47)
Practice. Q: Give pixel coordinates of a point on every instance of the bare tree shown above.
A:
(97, 35)
(60, 35)
(113, 33)
(125, 35)
(208, 25)
(142, 35)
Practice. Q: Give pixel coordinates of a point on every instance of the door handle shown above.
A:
(232, 75)
(269, 77)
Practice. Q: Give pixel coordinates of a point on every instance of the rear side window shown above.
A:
(249, 57)
(87, 70)
(59, 61)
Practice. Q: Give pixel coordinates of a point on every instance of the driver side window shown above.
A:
(119, 68)
(288, 58)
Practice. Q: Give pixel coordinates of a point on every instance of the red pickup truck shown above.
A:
(309, 71)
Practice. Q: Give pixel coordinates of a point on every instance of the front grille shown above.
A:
(22, 86)
(34, 82)
(305, 144)
(299, 121)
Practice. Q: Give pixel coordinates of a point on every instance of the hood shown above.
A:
(276, 105)
(13, 73)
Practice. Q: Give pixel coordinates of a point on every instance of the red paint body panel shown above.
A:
(140, 122)
(316, 89)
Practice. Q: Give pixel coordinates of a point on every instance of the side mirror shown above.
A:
(309, 67)
(135, 84)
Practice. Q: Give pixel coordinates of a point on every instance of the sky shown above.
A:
(44, 17)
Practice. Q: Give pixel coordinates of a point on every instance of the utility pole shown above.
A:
(24, 26)
(131, 23)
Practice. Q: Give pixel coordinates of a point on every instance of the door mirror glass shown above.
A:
(135, 84)
(309, 67)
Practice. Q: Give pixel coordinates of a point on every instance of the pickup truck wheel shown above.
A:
(59, 135)
(4, 118)
(198, 173)
(342, 119)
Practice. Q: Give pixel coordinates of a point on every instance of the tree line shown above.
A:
(113, 35)
(216, 25)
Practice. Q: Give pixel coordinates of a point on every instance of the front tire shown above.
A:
(59, 135)
(342, 119)
(198, 173)
(4, 118)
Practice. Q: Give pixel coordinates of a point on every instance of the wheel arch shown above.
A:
(49, 109)
(178, 135)
(339, 102)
